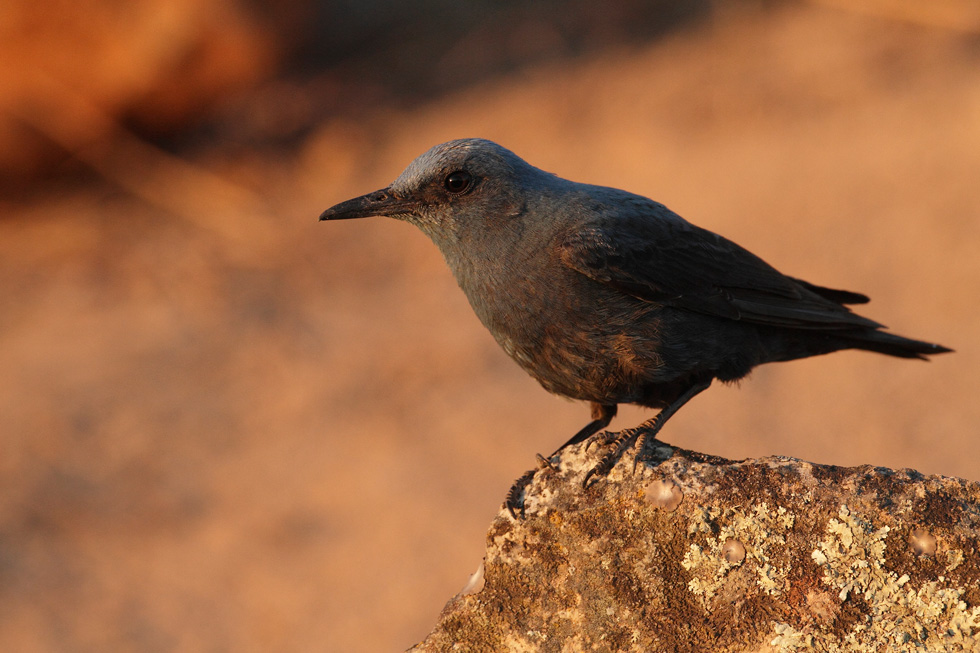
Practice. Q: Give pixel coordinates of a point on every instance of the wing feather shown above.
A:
(664, 259)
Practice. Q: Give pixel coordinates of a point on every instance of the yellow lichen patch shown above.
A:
(788, 638)
(900, 617)
(759, 531)
(955, 557)
(852, 554)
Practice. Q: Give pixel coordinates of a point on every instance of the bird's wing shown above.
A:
(675, 263)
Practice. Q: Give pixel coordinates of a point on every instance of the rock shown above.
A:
(691, 552)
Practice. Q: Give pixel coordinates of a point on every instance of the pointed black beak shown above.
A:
(380, 202)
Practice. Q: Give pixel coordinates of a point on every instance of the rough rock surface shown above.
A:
(691, 552)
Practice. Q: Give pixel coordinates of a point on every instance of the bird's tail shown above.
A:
(888, 343)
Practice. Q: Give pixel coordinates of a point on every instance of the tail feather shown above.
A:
(893, 345)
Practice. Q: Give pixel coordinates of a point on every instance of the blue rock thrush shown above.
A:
(610, 297)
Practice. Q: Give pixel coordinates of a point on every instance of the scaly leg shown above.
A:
(601, 416)
(647, 429)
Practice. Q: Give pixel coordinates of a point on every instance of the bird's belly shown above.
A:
(599, 358)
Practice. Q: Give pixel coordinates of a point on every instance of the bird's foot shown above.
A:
(603, 439)
(620, 443)
(514, 501)
(515, 495)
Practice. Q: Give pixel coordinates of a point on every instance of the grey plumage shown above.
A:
(610, 297)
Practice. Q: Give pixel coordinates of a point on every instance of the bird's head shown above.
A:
(454, 191)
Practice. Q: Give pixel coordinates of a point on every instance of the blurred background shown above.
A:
(225, 427)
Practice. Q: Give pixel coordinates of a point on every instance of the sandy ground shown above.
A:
(241, 430)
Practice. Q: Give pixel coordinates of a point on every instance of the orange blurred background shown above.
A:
(224, 426)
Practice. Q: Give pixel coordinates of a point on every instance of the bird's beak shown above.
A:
(380, 202)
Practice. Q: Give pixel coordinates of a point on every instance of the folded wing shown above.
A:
(663, 259)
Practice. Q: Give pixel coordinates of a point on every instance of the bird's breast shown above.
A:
(577, 338)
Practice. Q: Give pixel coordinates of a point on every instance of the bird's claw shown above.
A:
(602, 467)
(545, 463)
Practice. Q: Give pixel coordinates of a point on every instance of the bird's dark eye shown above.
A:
(458, 182)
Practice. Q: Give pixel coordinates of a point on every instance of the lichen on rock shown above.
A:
(692, 553)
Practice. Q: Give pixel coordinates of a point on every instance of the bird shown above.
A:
(609, 297)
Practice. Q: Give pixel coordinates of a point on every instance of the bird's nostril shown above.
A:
(379, 196)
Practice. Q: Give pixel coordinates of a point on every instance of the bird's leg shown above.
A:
(644, 431)
(602, 414)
